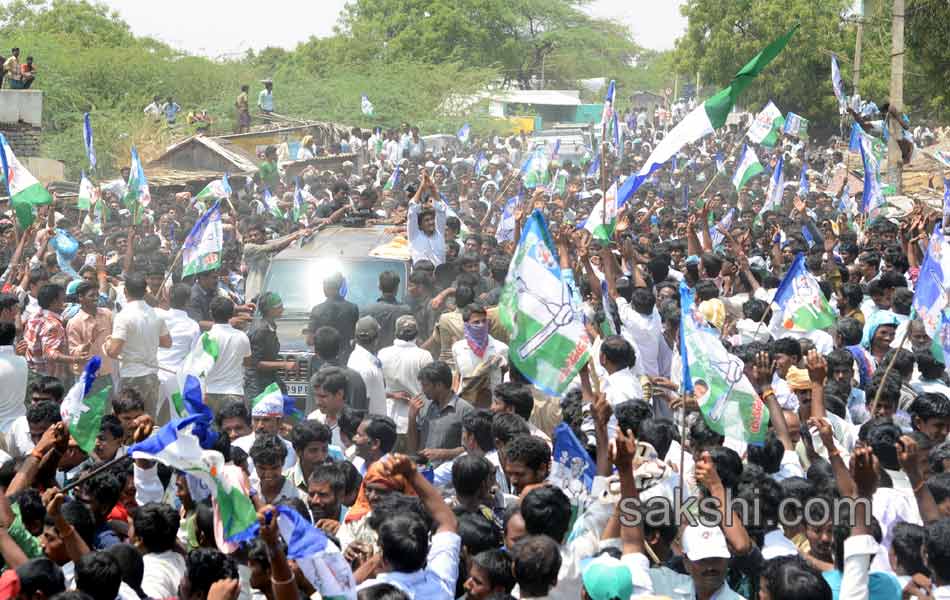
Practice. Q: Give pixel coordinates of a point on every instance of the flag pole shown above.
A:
(890, 365)
(95, 471)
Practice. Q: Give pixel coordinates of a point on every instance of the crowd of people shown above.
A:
(423, 454)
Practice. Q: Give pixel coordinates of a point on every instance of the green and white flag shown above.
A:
(202, 249)
(82, 409)
(726, 398)
(749, 166)
(268, 402)
(137, 197)
(704, 119)
(549, 343)
(197, 364)
(796, 125)
(219, 189)
(799, 304)
(603, 216)
(25, 191)
(767, 125)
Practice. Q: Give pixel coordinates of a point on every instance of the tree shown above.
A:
(526, 39)
(927, 36)
(722, 36)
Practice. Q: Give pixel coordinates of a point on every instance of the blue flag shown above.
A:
(571, 461)
(87, 140)
(946, 197)
(506, 225)
(463, 133)
(594, 168)
(803, 186)
(809, 239)
(687, 297)
(930, 291)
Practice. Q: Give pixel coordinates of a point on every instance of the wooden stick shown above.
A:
(90, 474)
(887, 370)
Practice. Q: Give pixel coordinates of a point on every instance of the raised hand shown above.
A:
(817, 367)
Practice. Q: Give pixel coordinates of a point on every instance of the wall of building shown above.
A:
(21, 120)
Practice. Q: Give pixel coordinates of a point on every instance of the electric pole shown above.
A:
(857, 48)
(895, 131)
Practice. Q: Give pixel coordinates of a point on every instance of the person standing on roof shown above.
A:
(265, 100)
(243, 111)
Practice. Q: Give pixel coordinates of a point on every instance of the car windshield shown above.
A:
(300, 282)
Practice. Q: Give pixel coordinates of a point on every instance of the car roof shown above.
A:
(347, 242)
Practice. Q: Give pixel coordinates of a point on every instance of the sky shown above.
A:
(220, 30)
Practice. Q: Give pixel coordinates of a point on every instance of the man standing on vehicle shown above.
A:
(257, 254)
(426, 224)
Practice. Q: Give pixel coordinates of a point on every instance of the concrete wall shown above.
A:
(46, 170)
(21, 105)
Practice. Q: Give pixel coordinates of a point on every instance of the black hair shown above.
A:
(131, 566)
(435, 373)
(105, 488)
(40, 575)
(907, 541)
(469, 473)
(536, 561)
(128, 400)
(80, 517)
(937, 455)
(728, 465)
(531, 451)
(518, 396)
(497, 567)
(850, 331)
(632, 413)
(930, 405)
(7, 333)
(135, 286)
(659, 433)
(619, 352)
(769, 454)
(703, 436)
(881, 435)
(546, 511)
(929, 367)
(268, 449)
(706, 289)
(232, 410)
(157, 526)
(789, 346)
(791, 577)
(507, 426)
(478, 532)
(382, 429)
(112, 425)
(388, 282)
(99, 575)
(382, 591)
(938, 548)
(45, 411)
(327, 342)
(307, 432)
(839, 359)
(331, 379)
(478, 424)
(222, 309)
(204, 566)
(939, 486)
(330, 473)
(48, 294)
(404, 541)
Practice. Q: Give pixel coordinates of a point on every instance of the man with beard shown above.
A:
(325, 488)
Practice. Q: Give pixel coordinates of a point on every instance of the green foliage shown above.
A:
(722, 36)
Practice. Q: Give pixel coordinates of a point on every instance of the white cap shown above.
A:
(701, 542)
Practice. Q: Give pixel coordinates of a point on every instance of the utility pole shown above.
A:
(856, 78)
(542, 70)
(895, 131)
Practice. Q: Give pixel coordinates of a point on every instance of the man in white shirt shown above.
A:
(401, 365)
(13, 374)
(155, 531)
(642, 327)
(480, 360)
(426, 224)
(225, 379)
(137, 334)
(184, 331)
(363, 360)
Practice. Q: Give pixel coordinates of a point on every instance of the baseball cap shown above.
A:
(606, 578)
(700, 542)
